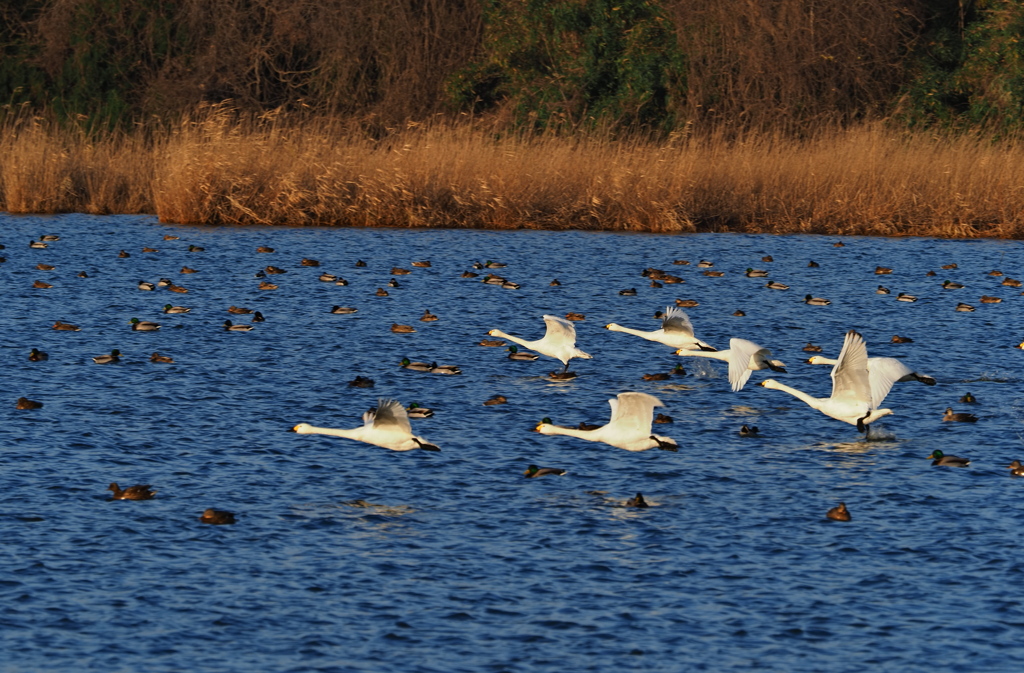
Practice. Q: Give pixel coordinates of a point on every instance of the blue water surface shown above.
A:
(349, 557)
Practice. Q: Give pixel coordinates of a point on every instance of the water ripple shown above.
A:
(348, 558)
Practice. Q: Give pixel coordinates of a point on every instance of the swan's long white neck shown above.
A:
(635, 332)
(353, 433)
(714, 355)
(589, 435)
(815, 402)
(522, 342)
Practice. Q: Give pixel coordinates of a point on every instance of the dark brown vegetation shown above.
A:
(670, 115)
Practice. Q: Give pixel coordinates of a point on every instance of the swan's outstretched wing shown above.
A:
(740, 352)
(850, 382)
(633, 413)
(389, 415)
(674, 321)
(559, 330)
(882, 374)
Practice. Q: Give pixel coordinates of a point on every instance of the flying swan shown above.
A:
(386, 426)
(882, 374)
(850, 401)
(559, 341)
(676, 331)
(629, 427)
(743, 357)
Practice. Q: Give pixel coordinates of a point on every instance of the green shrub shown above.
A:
(970, 71)
(576, 63)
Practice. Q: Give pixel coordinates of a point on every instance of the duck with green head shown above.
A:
(939, 458)
(406, 363)
(113, 357)
(416, 411)
(143, 325)
(514, 354)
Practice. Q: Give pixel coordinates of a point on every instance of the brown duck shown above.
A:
(136, 492)
(217, 517)
(839, 513)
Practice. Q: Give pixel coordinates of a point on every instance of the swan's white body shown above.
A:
(882, 374)
(629, 427)
(387, 427)
(559, 341)
(850, 401)
(676, 331)
(743, 357)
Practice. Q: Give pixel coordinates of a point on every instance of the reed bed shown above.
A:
(219, 168)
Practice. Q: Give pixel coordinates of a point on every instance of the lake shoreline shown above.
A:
(218, 168)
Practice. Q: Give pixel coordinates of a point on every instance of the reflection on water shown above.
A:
(348, 557)
(861, 446)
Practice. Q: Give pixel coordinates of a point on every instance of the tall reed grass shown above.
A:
(221, 168)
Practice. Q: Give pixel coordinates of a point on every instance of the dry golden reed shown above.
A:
(220, 168)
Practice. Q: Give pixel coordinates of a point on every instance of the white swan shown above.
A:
(629, 427)
(882, 374)
(850, 401)
(743, 357)
(676, 331)
(559, 341)
(386, 426)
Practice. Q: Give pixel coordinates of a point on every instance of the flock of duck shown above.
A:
(860, 383)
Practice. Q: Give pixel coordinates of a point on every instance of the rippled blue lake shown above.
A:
(348, 557)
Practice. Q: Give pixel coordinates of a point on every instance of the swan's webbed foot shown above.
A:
(860, 425)
(705, 347)
(777, 368)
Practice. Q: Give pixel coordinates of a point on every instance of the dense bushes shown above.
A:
(654, 65)
(572, 64)
(970, 69)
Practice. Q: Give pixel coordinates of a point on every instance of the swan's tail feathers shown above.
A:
(426, 446)
(665, 443)
(585, 356)
(927, 380)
